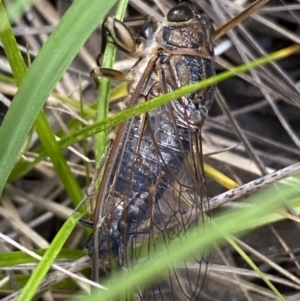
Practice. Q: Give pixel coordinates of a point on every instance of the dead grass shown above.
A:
(257, 112)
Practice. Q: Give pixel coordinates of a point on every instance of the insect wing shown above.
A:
(150, 203)
(153, 187)
(179, 208)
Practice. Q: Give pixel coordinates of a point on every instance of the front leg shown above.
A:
(118, 33)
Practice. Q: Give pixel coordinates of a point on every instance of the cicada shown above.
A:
(152, 184)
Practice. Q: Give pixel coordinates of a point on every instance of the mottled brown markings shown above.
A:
(168, 43)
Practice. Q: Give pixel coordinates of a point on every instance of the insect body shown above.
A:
(142, 193)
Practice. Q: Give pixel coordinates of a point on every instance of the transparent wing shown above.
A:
(153, 187)
(155, 194)
(176, 204)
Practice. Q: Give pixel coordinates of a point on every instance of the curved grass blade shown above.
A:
(41, 124)
(19, 257)
(164, 99)
(49, 257)
(104, 88)
(230, 224)
(74, 28)
(158, 101)
(255, 268)
(16, 8)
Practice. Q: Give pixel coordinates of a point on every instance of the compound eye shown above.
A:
(180, 13)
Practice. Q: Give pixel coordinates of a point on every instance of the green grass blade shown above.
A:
(255, 268)
(49, 257)
(48, 67)
(41, 124)
(22, 167)
(154, 103)
(104, 88)
(21, 280)
(10, 46)
(10, 259)
(181, 248)
(165, 98)
(60, 164)
(17, 8)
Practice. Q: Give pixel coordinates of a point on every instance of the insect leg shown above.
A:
(108, 73)
(121, 36)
